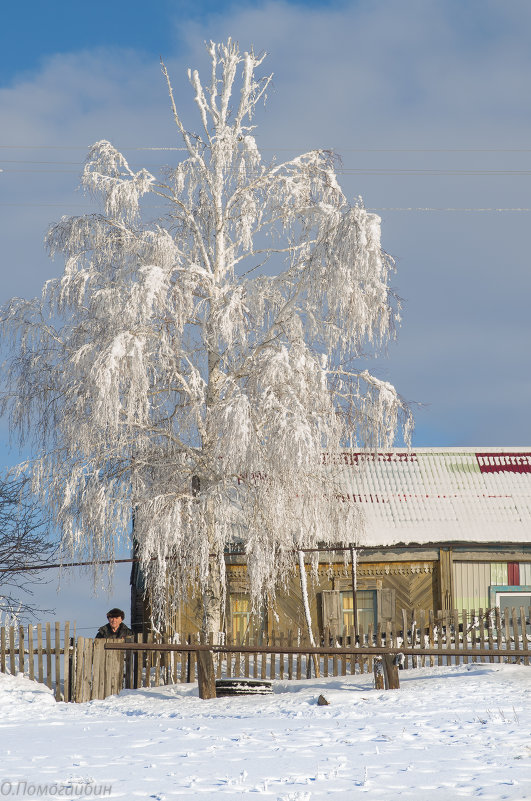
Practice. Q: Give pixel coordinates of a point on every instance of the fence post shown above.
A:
(390, 671)
(206, 676)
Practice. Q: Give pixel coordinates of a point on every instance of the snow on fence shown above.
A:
(81, 669)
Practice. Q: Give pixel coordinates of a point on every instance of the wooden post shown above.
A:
(21, 649)
(379, 683)
(404, 635)
(57, 661)
(353, 566)
(31, 665)
(3, 649)
(40, 667)
(206, 675)
(100, 674)
(390, 672)
(48, 656)
(66, 661)
(524, 633)
(12, 660)
(516, 634)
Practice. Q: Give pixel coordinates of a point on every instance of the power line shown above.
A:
(384, 171)
(296, 148)
(69, 205)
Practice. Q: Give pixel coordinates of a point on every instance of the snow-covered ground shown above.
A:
(449, 732)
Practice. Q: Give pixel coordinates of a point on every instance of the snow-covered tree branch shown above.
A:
(196, 368)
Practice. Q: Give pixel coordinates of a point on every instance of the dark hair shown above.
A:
(116, 613)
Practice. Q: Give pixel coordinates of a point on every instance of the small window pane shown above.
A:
(240, 613)
(366, 603)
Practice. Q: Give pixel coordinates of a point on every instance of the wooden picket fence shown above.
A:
(82, 669)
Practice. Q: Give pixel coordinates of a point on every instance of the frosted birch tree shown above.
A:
(193, 370)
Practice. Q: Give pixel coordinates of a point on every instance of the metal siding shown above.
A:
(499, 573)
(514, 574)
(472, 581)
(438, 495)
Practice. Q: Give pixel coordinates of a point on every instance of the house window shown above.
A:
(509, 597)
(367, 608)
(240, 608)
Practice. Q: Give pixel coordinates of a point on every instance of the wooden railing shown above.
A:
(81, 669)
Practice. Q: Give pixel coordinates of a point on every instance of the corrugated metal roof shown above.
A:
(440, 494)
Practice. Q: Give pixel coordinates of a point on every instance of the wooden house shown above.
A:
(446, 528)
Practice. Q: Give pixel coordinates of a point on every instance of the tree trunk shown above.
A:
(307, 615)
(212, 599)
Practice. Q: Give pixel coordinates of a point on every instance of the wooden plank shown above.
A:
(66, 662)
(263, 662)
(73, 656)
(507, 631)
(57, 661)
(12, 660)
(86, 678)
(523, 624)
(490, 635)
(255, 660)
(117, 672)
(128, 679)
(229, 657)
(31, 662)
(139, 664)
(499, 634)
(335, 671)
(370, 643)
(48, 656)
(473, 631)
(439, 624)
(157, 667)
(21, 659)
(3, 649)
(363, 638)
(100, 675)
(79, 667)
(353, 657)
(167, 664)
(238, 656)
(464, 619)
(281, 659)
(481, 629)
(344, 659)
(414, 636)
(272, 663)
(516, 635)
(431, 636)
(40, 664)
(450, 636)
(404, 636)
(149, 660)
(455, 620)
(219, 658)
(422, 629)
(246, 666)
(290, 656)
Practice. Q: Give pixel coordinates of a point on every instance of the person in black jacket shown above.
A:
(115, 629)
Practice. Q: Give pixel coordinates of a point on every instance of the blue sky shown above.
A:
(427, 101)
